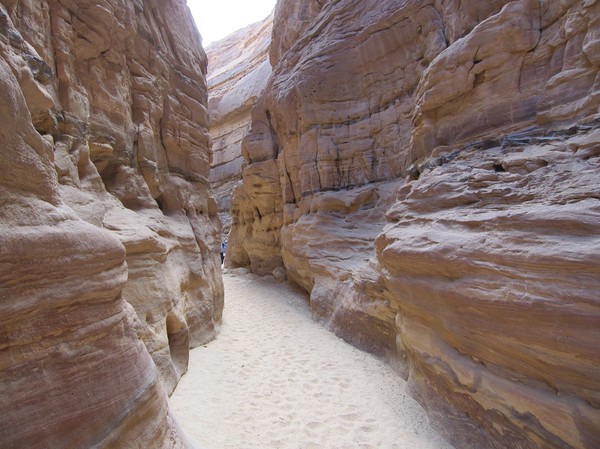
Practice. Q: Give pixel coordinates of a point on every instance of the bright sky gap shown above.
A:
(217, 19)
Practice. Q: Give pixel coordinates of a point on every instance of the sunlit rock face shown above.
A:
(427, 171)
(105, 206)
(238, 72)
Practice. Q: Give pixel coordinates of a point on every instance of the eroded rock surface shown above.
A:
(239, 69)
(493, 258)
(106, 205)
(473, 124)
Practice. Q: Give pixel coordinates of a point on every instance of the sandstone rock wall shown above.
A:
(238, 72)
(297, 16)
(106, 205)
(493, 258)
(473, 125)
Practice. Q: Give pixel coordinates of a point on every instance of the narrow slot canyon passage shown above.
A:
(273, 378)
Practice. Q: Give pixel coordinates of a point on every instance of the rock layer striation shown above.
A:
(238, 72)
(427, 171)
(109, 236)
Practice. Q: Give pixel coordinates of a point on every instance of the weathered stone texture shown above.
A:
(493, 258)
(532, 63)
(474, 125)
(337, 115)
(106, 205)
(239, 69)
(297, 17)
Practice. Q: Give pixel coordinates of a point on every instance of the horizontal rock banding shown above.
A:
(106, 205)
(474, 127)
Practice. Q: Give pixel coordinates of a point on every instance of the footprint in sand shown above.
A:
(367, 429)
(309, 390)
(314, 425)
(352, 417)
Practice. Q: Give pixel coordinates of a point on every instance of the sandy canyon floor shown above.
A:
(275, 379)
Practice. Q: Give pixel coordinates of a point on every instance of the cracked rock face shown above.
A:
(426, 170)
(108, 234)
(239, 69)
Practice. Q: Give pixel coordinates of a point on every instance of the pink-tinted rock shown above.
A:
(336, 115)
(106, 206)
(525, 65)
(493, 261)
(238, 72)
(129, 125)
(474, 124)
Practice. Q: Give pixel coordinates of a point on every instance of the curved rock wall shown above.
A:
(128, 121)
(239, 69)
(106, 206)
(426, 171)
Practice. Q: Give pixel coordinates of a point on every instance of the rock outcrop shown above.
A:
(108, 234)
(238, 72)
(427, 171)
(493, 259)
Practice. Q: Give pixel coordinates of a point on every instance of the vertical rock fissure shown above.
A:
(273, 133)
(179, 342)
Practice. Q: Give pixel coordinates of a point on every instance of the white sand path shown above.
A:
(274, 379)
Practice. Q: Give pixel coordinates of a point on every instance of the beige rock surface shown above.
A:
(127, 115)
(493, 259)
(533, 63)
(297, 17)
(238, 71)
(105, 206)
(336, 117)
(366, 99)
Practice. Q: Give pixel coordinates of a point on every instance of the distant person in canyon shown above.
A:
(223, 251)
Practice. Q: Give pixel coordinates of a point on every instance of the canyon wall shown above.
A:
(239, 69)
(428, 172)
(109, 237)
